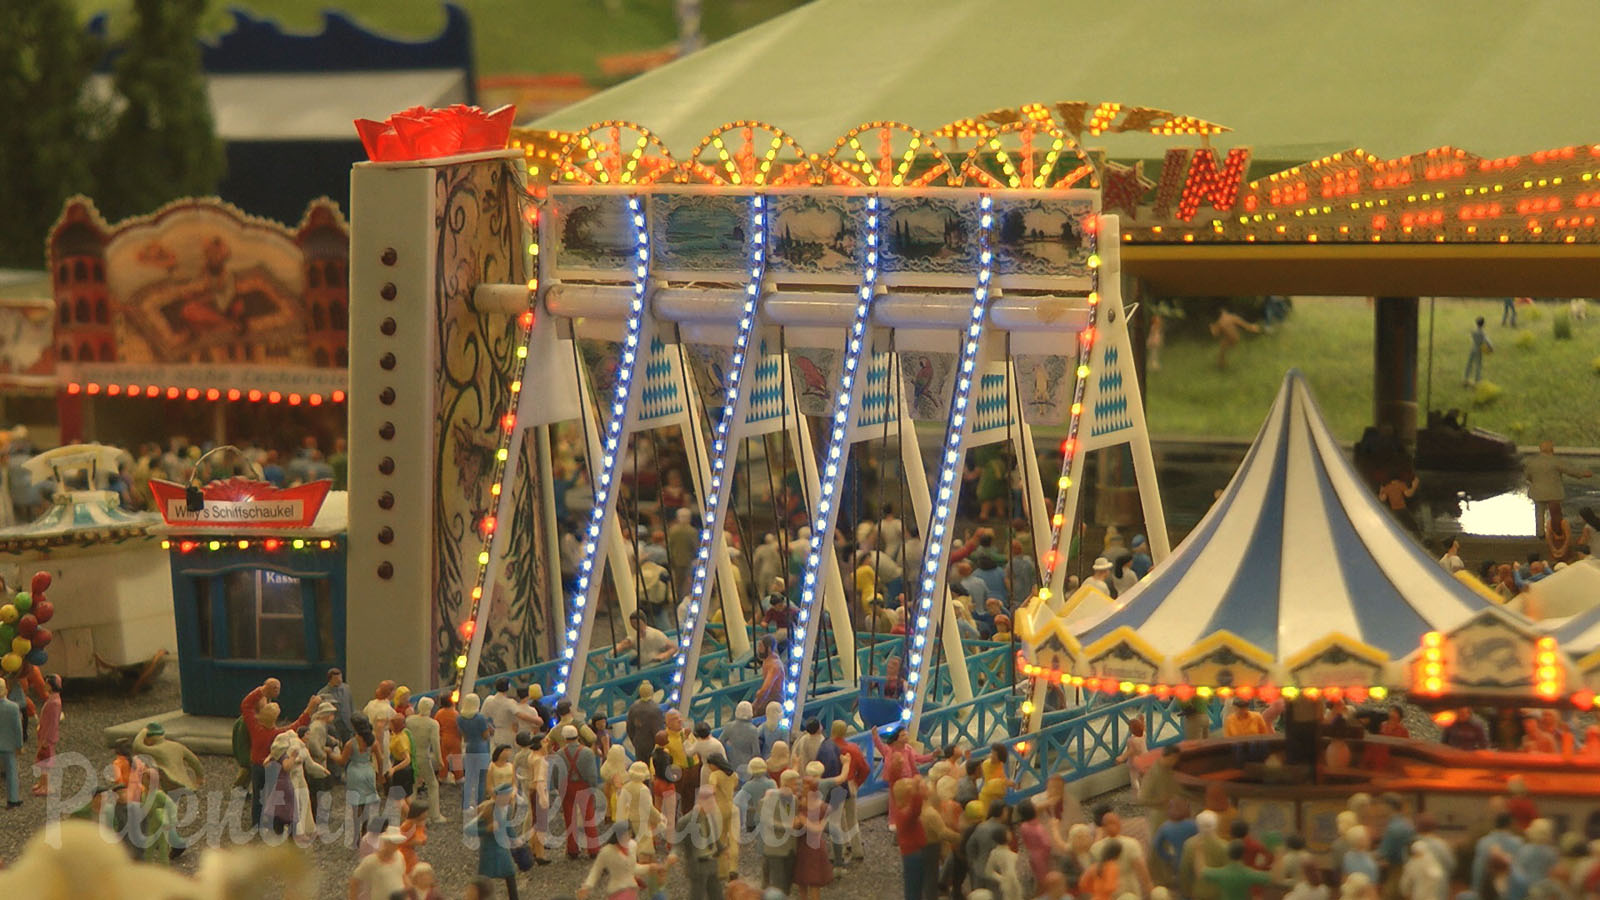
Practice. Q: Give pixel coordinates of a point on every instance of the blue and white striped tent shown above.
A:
(1297, 575)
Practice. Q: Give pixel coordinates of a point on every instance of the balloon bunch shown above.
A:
(23, 636)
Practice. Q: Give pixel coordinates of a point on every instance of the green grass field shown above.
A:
(512, 36)
(1548, 388)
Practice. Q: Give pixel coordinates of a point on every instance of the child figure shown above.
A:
(49, 733)
(1134, 748)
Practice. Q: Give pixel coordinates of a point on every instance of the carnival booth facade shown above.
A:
(258, 585)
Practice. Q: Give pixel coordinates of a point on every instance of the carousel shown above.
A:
(1297, 592)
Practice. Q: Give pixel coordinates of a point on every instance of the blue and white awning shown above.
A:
(1296, 565)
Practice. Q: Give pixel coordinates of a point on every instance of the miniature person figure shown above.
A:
(635, 807)
(427, 755)
(448, 718)
(263, 727)
(1480, 346)
(1133, 749)
(382, 874)
(179, 767)
(379, 710)
(613, 773)
(771, 676)
(771, 732)
(1226, 330)
(475, 729)
(500, 769)
(400, 775)
(720, 777)
(493, 823)
(1395, 492)
(664, 787)
(1235, 881)
(1451, 560)
(504, 712)
(615, 870)
(338, 693)
(777, 811)
(699, 846)
(414, 825)
(645, 718)
(652, 646)
(1001, 869)
(1101, 880)
(1358, 857)
(580, 778)
(50, 734)
(422, 883)
(10, 744)
(1205, 850)
(1134, 873)
(1544, 472)
(741, 739)
(1534, 859)
(360, 763)
(813, 869)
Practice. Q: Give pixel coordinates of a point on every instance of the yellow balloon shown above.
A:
(8, 614)
(11, 662)
(21, 645)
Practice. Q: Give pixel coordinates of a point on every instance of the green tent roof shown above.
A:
(1294, 79)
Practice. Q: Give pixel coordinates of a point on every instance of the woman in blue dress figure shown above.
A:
(475, 730)
(360, 777)
(495, 826)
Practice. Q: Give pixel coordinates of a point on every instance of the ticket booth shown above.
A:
(258, 588)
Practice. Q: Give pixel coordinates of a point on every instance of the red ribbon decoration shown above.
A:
(422, 133)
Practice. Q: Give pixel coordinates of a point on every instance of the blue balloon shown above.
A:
(37, 657)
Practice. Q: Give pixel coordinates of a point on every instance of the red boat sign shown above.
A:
(241, 503)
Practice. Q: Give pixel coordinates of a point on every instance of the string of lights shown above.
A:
(469, 627)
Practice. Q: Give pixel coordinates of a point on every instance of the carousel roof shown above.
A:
(80, 515)
(1286, 77)
(1580, 582)
(1295, 551)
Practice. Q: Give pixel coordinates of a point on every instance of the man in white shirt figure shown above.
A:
(653, 644)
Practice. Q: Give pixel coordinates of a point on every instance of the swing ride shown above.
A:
(753, 302)
(803, 325)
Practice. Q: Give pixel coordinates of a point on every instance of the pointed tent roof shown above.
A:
(1579, 635)
(1294, 80)
(1296, 550)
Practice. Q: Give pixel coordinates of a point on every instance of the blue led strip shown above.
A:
(946, 492)
(579, 616)
(802, 636)
(692, 631)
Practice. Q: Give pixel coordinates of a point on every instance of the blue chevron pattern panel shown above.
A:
(1109, 413)
(876, 406)
(766, 390)
(660, 394)
(989, 409)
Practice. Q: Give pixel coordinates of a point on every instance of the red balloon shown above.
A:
(41, 582)
(43, 610)
(41, 638)
(28, 626)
